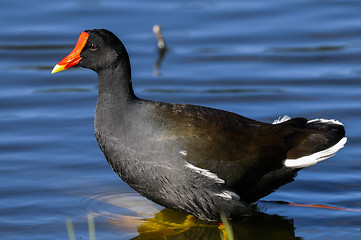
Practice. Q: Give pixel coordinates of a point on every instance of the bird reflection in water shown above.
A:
(150, 223)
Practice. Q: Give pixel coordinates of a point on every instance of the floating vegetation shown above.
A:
(91, 227)
(226, 229)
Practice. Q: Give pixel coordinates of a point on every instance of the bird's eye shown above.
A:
(93, 47)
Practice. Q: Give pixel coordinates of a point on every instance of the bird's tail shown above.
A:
(322, 140)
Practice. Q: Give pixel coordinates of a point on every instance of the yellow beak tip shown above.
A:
(58, 68)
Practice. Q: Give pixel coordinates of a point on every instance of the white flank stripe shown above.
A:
(183, 152)
(205, 173)
(321, 120)
(228, 195)
(281, 119)
(315, 157)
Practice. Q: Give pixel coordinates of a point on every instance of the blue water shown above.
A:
(261, 59)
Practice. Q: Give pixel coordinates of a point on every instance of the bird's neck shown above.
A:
(115, 97)
(115, 82)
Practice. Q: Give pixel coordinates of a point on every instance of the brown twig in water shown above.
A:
(315, 206)
(158, 34)
(161, 48)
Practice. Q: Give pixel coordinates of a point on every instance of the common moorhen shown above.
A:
(195, 159)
